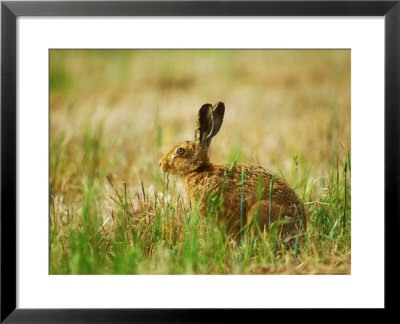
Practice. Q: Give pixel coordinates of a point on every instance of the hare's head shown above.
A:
(190, 155)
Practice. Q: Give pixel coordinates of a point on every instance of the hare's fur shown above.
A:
(190, 160)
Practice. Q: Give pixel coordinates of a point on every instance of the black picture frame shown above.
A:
(10, 10)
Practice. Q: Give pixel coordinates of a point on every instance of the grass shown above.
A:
(113, 114)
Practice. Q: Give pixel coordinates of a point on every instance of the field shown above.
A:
(115, 113)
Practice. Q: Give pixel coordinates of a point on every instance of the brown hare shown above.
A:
(244, 187)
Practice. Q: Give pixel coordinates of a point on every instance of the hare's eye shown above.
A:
(180, 151)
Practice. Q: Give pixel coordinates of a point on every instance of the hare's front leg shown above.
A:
(259, 216)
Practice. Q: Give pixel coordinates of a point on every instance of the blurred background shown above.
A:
(280, 105)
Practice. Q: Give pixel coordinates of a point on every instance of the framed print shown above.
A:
(178, 154)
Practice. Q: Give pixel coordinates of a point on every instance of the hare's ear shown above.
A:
(204, 124)
(218, 116)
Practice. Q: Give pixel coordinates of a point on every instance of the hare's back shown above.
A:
(257, 184)
(228, 180)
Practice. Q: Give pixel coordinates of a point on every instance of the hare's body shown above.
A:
(227, 181)
(249, 198)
